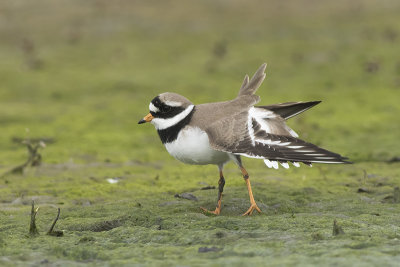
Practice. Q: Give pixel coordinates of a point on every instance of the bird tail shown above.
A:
(249, 87)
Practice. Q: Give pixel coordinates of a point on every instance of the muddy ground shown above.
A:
(79, 75)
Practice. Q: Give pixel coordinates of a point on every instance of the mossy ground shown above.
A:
(83, 73)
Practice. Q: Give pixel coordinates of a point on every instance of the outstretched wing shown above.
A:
(290, 109)
(259, 133)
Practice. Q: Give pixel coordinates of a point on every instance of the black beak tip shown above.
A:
(141, 121)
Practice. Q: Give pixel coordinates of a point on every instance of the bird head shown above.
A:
(167, 109)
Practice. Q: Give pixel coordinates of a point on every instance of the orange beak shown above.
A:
(147, 118)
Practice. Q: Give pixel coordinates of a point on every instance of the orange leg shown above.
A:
(253, 203)
(221, 184)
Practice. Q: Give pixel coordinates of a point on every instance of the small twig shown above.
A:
(55, 221)
(365, 176)
(32, 228)
(207, 187)
(337, 229)
(34, 157)
(51, 231)
(396, 195)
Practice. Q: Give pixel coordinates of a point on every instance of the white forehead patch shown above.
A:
(173, 103)
(153, 108)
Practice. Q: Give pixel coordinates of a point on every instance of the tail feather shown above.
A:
(290, 109)
(250, 87)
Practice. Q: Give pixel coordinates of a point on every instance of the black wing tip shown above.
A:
(345, 160)
(309, 163)
(342, 160)
(313, 103)
(290, 109)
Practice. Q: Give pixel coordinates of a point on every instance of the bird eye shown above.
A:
(167, 109)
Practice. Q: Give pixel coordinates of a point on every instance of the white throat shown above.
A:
(162, 124)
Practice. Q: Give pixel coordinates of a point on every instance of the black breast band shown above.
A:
(170, 134)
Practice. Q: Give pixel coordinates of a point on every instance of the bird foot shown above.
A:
(215, 212)
(251, 209)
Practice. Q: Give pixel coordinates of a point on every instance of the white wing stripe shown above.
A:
(285, 165)
(272, 143)
(284, 144)
(268, 163)
(250, 129)
(275, 164)
(295, 147)
(258, 115)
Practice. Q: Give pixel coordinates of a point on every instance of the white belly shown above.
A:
(192, 146)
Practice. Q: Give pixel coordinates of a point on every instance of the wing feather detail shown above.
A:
(265, 136)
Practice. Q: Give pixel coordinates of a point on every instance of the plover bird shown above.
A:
(216, 133)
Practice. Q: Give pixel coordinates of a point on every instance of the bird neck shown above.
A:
(170, 134)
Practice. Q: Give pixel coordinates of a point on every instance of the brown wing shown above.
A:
(260, 134)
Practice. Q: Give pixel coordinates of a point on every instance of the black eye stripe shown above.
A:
(165, 111)
(158, 104)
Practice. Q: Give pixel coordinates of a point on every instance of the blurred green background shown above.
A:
(83, 72)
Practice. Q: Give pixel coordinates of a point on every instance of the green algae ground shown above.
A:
(82, 74)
